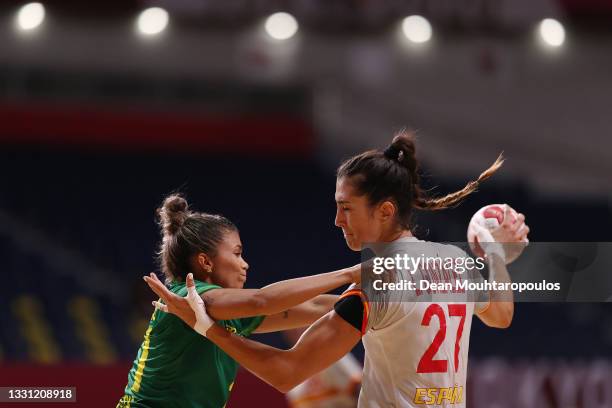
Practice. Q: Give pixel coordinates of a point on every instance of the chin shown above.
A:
(353, 246)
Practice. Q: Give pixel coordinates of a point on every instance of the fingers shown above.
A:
(520, 218)
(514, 224)
(160, 306)
(155, 279)
(522, 232)
(508, 217)
(518, 224)
(157, 287)
(519, 229)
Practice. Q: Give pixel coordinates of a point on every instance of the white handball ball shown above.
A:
(490, 216)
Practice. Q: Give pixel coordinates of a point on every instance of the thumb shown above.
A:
(193, 298)
(192, 293)
(190, 282)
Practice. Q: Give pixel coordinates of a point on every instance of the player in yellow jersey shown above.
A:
(208, 247)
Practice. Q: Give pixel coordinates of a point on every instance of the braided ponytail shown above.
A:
(454, 199)
(404, 142)
(394, 174)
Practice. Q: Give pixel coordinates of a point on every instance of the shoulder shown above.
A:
(353, 307)
(180, 288)
(445, 249)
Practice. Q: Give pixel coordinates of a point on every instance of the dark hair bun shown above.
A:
(405, 141)
(173, 213)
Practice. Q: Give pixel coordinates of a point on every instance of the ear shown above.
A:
(386, 211)
(204, 262)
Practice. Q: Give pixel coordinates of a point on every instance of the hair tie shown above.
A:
(394, 153)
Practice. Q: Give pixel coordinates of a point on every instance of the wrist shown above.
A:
(495, 250)
(201, 327)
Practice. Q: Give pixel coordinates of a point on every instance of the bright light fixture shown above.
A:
(30, 16)
(552, 32)
(281, 26)
(417, 29)
(152, 21)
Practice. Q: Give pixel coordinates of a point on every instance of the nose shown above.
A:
(339, 220)
(245, 266)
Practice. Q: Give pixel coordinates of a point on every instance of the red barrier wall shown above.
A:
(266, 134)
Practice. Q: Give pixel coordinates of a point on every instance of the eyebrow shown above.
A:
(239, 246)
(342, 202)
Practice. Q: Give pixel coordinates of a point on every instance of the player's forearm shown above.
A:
(299, 316)
(312, 310)
(272, 365)
(284, 295)
(226, 304)
(500, 311)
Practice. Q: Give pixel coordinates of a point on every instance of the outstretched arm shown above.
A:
(499, 311)
(224, 304)
(301, 315)
(325, 342)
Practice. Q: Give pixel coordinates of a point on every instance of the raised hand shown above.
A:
(174, 304)
(512, 229)
(512, 233)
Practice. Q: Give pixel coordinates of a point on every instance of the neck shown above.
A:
(381, 246)
(395, 235)
(203, 277)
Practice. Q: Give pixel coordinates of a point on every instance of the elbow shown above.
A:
(284, 387)
(505, 318)
(282, 384)
(284, 376)
(503, 323)
(287, 383)
(499, 315)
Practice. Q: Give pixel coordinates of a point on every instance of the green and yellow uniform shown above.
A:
(177, 367)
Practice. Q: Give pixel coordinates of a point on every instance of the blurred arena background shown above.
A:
(104, 111)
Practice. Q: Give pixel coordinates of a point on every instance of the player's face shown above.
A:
(355, 216)
(229, 267)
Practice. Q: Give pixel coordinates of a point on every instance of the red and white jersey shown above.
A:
(416, 349)
(334, 387)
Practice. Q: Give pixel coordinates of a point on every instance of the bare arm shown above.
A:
(301, 315)
(500, 309)
(325, 342)
(223, 304)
